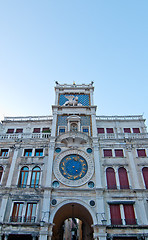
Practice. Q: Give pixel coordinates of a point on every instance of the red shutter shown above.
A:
(127, 130)
(123, 178)
(119, 152)
(10, 130)
(36, 130)
(129, 214)
(100, 130)
(141, 152)
(1, 172)
(107, 152)
(109, 130)
(115, 214)
(145, 176)
(136, 130)
(111, 180)
(19, 130)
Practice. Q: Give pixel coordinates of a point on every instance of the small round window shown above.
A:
(92, 203)
(91, 184)
(89, 150)
(57, 150)
(54, 201)
(55, 184)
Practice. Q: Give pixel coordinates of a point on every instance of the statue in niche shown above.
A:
(73, 127)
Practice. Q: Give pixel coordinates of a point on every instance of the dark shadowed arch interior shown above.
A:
(72, 210)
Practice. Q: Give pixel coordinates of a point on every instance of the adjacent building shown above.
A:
(73, 175)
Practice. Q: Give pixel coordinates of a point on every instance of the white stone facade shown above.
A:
(74, 164)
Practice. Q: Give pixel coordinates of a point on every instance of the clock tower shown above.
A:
(74, 166)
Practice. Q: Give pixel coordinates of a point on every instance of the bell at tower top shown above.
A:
(74, 95)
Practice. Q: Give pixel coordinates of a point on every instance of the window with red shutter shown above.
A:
(145, 176)
(115, 214)
(17, 212)
(10, 130)
(129, 214)
(109, 130)
(127, 130)
(141, 152)
(1, 172)
(123, 178)
(107, 152)
(36, 130)
(100, 130)
(136, 130)
(119, 153)
(19, 130)
(111, 180)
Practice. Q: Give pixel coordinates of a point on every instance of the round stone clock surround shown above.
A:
(73, 167)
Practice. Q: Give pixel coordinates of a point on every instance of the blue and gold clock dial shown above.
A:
(73, 167)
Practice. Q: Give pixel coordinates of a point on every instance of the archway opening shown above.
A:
(72, 222)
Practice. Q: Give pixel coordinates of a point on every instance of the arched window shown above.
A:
(123, 178)
(145, 176)
(111, 180)
(1, 172)
(35, 177)
(23, 177)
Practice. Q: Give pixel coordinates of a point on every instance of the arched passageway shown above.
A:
(72, 211)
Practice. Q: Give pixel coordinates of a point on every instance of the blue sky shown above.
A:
(105, 41)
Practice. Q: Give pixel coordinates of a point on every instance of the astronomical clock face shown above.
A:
(73, 167)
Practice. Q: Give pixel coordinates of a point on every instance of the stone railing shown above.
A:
(24, 135)
(122, 135)
(28, 118)
(119, 118)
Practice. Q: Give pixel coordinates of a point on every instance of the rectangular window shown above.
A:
(28, 152)
(119, 153)
(141, 152)
(17, 212)
(46, 130)
(10, 130)
(30, 212)
(61, 130)
(115, 214)
(109, 130)
(127, 130)
(36, 130)
(100, 130)
(129, 214)
(136, 130)
(39, 152)
(107, 152)
(4, 152)
(86, 130)
(19, 130)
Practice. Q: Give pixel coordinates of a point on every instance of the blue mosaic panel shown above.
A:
(85, 120)
(83, 99)
(62, 121)
(73, 167)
